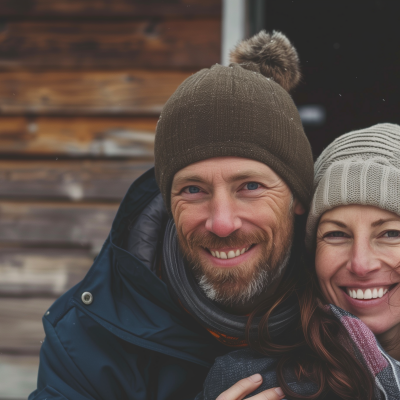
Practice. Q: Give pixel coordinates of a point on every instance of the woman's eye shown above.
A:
(392, 234)
(252, 186)
(192, 189)
(335, 234)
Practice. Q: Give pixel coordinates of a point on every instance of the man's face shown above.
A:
(234, 218)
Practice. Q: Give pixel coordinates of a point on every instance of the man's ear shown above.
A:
(298, 208)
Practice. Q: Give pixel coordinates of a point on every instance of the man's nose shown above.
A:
(223, 219)
(363, 258)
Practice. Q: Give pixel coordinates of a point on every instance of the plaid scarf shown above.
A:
(384, 368)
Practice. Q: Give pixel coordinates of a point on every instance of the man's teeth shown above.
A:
(367, 293)
(231, 253)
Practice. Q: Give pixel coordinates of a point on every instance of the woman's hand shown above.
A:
(242, 388)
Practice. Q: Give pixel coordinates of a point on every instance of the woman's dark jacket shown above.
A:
(133, 341)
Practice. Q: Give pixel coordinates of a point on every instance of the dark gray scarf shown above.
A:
(186, 291)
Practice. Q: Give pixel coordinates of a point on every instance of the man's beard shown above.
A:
(244, 282)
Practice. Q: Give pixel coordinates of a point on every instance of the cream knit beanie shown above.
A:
(360, 167)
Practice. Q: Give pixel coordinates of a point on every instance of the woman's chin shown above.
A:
(378, 324)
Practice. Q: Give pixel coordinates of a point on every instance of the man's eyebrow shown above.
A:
(189, 178)
(241, 176)
(333, 221)
(382, 221)
(234, 178)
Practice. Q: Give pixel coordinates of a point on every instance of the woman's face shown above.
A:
(358, 250)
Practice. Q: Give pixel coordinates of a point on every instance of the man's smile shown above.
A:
(225, 253)
(229, 257)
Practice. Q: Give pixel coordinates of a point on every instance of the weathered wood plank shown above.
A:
(87, 93)
(106, 8)
(29, 272)
(68, 180)
(77, 137)
(83, 225)
(166, 43)
(18, 376)
(21, 329)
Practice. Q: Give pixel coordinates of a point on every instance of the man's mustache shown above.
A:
(237, 239)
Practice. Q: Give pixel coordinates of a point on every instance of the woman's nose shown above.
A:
(223, 217)
(363, 259)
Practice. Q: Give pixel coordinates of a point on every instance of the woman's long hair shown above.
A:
(319, 348)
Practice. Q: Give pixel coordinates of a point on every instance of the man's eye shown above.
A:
(252, 186)
(392, 234)
(192, 189)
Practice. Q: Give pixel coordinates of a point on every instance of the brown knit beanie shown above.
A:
(242, 110)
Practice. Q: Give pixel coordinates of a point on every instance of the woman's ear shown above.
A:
(298, 208)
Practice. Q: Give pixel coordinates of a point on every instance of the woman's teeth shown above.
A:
(230, 254)
(367, 294)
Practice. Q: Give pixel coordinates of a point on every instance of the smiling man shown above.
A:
(197, 244)
(234, 219)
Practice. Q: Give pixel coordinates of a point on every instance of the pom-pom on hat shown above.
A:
(360, 167)
(243, 110)
(273, 54)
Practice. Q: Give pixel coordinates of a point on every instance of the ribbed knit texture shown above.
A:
(233, 111)
(360, 167)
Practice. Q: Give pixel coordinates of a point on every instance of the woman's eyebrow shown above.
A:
(382, 221)
(332, 221)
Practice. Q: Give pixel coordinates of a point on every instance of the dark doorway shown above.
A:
(350, 57)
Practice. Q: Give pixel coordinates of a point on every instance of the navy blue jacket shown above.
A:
(133, 341)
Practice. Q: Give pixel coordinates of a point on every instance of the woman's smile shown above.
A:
(357, 255)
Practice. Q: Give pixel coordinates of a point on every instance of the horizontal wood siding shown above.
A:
(58, 137)
(100, 93)
(75, 180)
(19, 375)
(41, 272)
(110, 9)
(55, 223)
(146, 43)
(22, 331)
(82, 85)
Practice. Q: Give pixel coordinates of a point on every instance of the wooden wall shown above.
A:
(82, 83)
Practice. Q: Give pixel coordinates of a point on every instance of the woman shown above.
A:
(346, 343)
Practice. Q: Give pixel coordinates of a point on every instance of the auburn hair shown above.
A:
(318, 349)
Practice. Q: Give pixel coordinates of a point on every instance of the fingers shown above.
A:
(245, 386)
(270, 394)
(242, 388)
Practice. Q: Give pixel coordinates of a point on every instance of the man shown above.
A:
(197, 243)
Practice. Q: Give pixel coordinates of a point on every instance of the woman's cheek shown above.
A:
(325, 269)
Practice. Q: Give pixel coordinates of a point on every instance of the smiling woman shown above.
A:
(346, 344)
(358, 250)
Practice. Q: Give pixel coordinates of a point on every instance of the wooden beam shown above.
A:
(29, 272)
(166, 43)
(68, 180)
(77, 137)
(84, 225)
(87, 93)
(109, 9)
